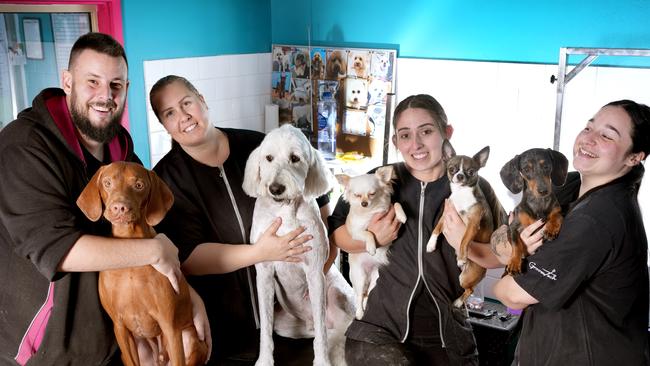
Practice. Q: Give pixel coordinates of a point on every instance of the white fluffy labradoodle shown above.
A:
(286, 174)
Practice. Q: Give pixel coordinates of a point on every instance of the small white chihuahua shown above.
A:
(367, 194)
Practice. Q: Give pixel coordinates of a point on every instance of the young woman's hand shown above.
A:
(454, 227)
(532, 236)
(288, 247)
(384, 226)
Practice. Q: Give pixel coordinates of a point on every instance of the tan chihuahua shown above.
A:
(367, 194)
(472, 207)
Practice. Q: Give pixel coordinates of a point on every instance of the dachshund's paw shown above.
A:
(461, 262)
(431, 244)
(459, 302)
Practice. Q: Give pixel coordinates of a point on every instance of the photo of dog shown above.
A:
(300, 67)
(367, 195)
(377, 91)
(301, 91)
(376, 118)
(280, 56)
(336, 67)
(317, 63)
(281, 84)
(381, 65)
(358, 62)
(356, 93)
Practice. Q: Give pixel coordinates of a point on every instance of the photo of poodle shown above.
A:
(300, 67)
(336, 65)
(377, 91)
(381, 65)
(358, 62)
(356, 93)
(280, 56)
(317, 63)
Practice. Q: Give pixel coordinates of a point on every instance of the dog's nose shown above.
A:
(119, 208)
(276, 189)
(364, 204)
(542, 191)
(460, 177)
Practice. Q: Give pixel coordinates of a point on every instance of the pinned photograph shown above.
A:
(381, 65)
(359, 64)
(356, 93)
(318, 63)
(336, 65)
(300, 63)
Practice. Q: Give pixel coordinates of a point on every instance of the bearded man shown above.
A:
(50, 253)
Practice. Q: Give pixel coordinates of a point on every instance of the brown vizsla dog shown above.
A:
(141, 301)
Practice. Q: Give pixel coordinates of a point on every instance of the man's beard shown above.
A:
(82, 122)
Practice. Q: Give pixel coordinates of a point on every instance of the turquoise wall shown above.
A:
(193, 28)
(498, 30)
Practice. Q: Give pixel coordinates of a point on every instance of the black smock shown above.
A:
(591, 281)
(414, 280)
(211, 206)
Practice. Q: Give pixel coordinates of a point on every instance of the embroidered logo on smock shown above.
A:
(544, 272)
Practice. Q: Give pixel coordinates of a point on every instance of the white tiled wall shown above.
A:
(235, 87)
(511, 107)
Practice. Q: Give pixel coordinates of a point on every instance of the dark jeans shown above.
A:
(359, 353)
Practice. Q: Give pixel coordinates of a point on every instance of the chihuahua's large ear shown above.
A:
(160, 200)
(252, 178)
(560, 167)
(90, 199)
(319, 176)
(482, 156)
(343, 179)
(447, 150)
(511, 176)
(385, 173)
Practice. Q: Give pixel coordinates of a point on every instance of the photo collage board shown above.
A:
(336, 96)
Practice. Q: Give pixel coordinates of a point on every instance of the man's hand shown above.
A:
(168, 263)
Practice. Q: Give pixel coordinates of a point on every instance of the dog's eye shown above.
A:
(294, 158)
(526, 169)
(470, 172)
(269, 158)
(138, 185)
(107, 183)
(453, 169)
(357, 195)
(371, 194)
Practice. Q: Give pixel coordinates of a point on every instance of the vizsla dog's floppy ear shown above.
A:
(252, 178)
(90, 199)
(319, 176)
(560, 167)
(511, 177)
(160, 200)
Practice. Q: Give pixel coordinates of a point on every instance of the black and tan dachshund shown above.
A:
(534, 171)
